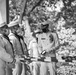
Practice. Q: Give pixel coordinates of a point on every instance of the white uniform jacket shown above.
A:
(16, 44)
(4, 56)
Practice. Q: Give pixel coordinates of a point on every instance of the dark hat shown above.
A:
(45, 23)
(44, 26)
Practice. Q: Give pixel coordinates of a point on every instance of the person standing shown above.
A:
(19, 48)
(33, 52)
(7, 46)
(48, 44)
(6, 51)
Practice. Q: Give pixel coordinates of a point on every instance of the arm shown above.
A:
(27, 27)
(39, 45)
(54, 44)
(12, 40)
(5, 56)
(35, 48)
(25, 50)
(56, 41)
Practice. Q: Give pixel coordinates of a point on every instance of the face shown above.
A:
(44, 28)
(16, 29)
(21, 32)
(5, 30)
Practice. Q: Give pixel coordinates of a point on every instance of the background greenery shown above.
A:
(61, 14)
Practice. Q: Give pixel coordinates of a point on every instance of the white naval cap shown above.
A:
(13, 23)
(3, 24)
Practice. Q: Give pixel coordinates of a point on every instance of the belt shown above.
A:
(50, 55)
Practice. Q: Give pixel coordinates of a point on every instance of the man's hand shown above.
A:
(17, 59)
(43, 52)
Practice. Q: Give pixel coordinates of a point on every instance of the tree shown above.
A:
(60, 13)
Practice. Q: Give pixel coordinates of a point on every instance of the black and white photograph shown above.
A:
(37, 37)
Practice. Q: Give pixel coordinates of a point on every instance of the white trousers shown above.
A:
(19, 69)
(34, 67)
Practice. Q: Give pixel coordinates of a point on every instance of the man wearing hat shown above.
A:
(6, 51)
(48, 44)
(19, 46)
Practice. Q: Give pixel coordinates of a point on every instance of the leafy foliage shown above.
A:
(60, 13)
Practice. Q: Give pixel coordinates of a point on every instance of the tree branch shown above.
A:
(22, 11)
(46, 22)
(37, 4)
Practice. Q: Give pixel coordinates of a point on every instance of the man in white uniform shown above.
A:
(18, 45)
(48, 44)
(6, 53)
